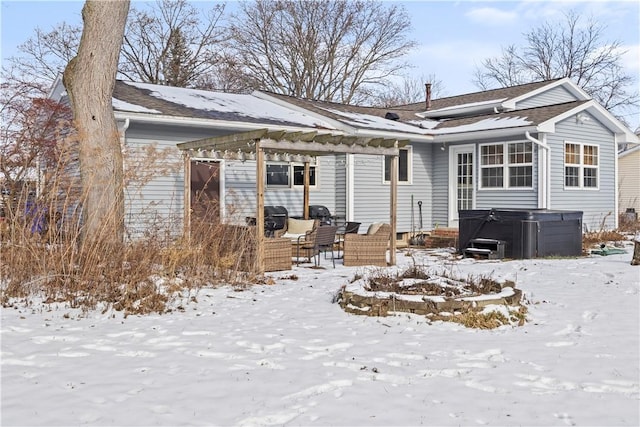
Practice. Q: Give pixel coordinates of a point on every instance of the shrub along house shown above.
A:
(544, 145)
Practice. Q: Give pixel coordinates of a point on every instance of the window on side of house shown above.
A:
(298, 175)
(278, 175)
(288, 175)
(404, 166)
(506, 165)
(581, 164)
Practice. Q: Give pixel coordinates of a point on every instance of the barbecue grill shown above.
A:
(275, 218)
(321, 213)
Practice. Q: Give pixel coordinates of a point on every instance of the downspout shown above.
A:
(544, 166)
(350, 186)
(125, 126)
(616, 200)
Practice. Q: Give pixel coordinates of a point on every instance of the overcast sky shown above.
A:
(453, 36)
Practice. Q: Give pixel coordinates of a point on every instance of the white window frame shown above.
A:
(290, 175)
(409, 181)
(581, 166)
(505, 165)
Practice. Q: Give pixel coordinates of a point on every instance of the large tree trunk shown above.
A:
(89, 79)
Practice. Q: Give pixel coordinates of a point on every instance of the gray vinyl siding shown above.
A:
(556, 95)
(154, 194)
(598, 206)
(156, 203)
(240, 187)
(440, 164)
(340, 197)
(484, 199)
(372, 195)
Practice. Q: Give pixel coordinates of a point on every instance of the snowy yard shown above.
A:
(285, 354)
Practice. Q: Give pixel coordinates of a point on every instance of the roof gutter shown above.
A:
(376, 133)
(209, 123)
(489, 133)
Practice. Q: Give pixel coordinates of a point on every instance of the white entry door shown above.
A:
(461, 182)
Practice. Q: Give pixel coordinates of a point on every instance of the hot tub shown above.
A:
(526, 233)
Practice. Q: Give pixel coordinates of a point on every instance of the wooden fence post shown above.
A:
(636, 252)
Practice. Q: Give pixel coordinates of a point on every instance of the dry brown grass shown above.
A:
(490, 320)
(136, 277)
(595, 238)
(139, 275)
(430, 283)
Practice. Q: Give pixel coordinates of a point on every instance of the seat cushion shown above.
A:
(299, 226)
(293, 236)
(374, 227)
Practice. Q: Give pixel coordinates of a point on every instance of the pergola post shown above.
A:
(307, 183)
(260, 177)
(393, 207)
(187, 196)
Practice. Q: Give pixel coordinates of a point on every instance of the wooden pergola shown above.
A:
(264, 144)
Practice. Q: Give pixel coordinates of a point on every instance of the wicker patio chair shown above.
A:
(242, 240)
(367, 249)
(277, 254)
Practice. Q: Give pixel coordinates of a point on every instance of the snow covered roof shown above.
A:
(261, 110)
(355, 117)
(478, 98)
(511, 119)
(204, 104)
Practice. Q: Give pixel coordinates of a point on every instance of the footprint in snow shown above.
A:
(566, 418)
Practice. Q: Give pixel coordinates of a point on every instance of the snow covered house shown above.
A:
(544, 145)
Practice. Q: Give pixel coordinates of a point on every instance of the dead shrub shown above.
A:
(486, 320)
(135, 277)
(591, 239)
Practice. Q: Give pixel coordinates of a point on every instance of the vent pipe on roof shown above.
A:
(428, 99)
(392, 116)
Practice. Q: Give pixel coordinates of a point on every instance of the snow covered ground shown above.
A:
(285, 354)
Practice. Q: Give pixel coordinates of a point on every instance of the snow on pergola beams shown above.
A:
(307, 143)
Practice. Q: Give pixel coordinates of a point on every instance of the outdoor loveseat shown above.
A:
(369, 248)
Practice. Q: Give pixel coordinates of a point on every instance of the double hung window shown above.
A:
(506, 165)
(581, 163)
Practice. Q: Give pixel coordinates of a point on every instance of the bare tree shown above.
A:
(326, 50)
(89, 79)
(28, 141)
(408, 90)
(43, 57)
(564, 49)
(173, 44)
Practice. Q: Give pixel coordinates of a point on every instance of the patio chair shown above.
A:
(369, 248)
(348, 227)
(295, 228)
(241, 240)
(325, 238)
